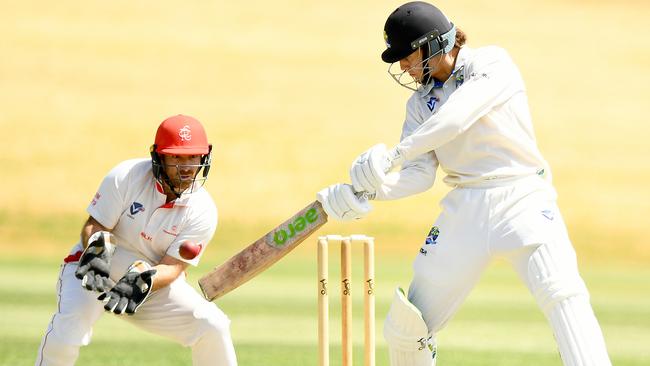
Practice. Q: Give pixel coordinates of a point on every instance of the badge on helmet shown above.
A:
(181, 135)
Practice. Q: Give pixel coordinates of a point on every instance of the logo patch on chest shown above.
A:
(431, 104)
(136, 207)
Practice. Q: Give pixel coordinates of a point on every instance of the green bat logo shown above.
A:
(281, 236)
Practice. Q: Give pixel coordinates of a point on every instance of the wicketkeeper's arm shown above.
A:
(90, 227)
(141, 279)
(167, 271)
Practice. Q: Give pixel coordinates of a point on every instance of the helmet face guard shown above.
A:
(416, 26)
(431, 45)
(177, 183)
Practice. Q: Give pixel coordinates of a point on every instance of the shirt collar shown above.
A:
(181, 201)
(463, 54)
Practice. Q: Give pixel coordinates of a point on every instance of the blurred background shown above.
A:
(290, 93)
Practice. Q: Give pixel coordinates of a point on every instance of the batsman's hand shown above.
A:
(368, 171)
(340, 202)
(131, 290)
(95, 262)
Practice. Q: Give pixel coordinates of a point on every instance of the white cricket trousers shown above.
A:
(519, 222)
(177, 312)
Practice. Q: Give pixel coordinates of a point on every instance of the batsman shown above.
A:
(469, 116)
(149, 221)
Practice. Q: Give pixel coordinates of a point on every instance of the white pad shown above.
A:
(563, 297)
(406, 334)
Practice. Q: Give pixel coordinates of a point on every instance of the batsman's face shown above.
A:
(414, 65)
(181, 169)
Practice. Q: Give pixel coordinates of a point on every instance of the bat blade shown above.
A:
(263, 253)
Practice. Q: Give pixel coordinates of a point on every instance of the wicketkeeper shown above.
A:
(469, 116)
(149, 220)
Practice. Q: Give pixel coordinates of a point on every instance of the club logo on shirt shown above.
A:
(548, 214)
(432, 103)
(433, 236)
(185, 133)
(430, 239)
(460, 78)
(135, 208)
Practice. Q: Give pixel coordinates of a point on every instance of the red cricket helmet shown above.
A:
(181, 135)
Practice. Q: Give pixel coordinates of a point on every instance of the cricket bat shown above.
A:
(263, 253)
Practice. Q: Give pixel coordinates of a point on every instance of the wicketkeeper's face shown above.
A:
(181, 169)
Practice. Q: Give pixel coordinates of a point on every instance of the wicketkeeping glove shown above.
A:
(95, 262)
(131, 290)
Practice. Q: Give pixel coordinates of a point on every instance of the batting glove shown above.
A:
(340, 202)
(368, 171)
(95, 262)
(131, 290)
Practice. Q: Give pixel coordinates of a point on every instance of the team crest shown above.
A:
(432, 237)
(136, 207)
(431, 104)
(185, 133)
(386, 39)
(460, 79)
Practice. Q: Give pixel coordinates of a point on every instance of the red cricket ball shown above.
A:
(189, 250)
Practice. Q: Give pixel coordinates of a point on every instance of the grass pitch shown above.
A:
(274, 317)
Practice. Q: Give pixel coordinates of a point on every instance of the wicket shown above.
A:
(346, 300)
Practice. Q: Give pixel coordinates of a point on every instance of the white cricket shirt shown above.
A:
(476, 126)
(132, 203)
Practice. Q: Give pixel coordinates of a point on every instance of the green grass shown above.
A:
(274, 317)
(85, 85)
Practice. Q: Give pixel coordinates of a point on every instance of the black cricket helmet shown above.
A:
(414, 25)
